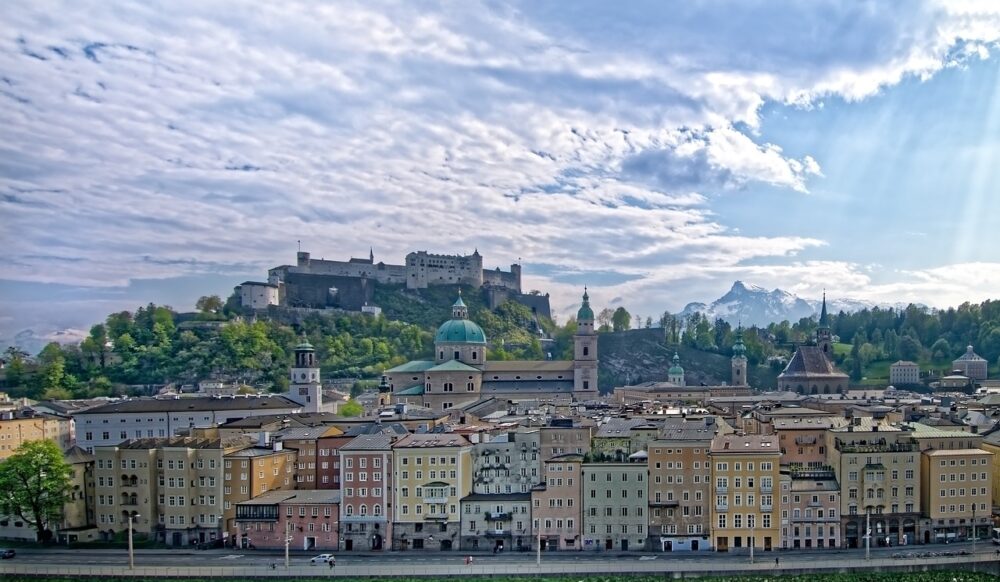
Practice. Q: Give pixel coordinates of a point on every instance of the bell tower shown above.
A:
(585, 352)
(305, 387)
(739, 361)
(824, 338)
(384, 392)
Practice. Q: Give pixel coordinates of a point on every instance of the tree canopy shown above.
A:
(34, 484)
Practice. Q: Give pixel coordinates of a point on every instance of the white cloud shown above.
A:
(151, 141)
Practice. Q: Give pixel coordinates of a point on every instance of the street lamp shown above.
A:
(131, 556)
(753, 540)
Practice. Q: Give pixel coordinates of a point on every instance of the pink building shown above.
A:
(309, 519)
(366, 478)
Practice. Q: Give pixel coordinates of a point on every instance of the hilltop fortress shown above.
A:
(320, 283)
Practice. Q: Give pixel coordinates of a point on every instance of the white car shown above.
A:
(324, 558)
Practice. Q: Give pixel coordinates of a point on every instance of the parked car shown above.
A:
(323, 558)
(7, 554)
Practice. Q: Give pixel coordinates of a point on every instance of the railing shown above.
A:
(721, 489)
(500, 515)
(766, 507)
(766, 488)
(435, 516)
(722, 507)
(436, 500)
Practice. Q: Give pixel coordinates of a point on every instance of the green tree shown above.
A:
(941, 349)
(35, 480)
(350, 408)
(621, 320)
(909, 348)
(604, 319)
(209, 304)
(17, 366)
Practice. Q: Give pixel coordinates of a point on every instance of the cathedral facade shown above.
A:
(460, 375)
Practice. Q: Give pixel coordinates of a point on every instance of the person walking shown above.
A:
(776, 561)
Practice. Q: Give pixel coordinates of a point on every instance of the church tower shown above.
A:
(739, 361)
(384, 392)
(585, 352)
(675, 375)
(824, 338)
(305, 387)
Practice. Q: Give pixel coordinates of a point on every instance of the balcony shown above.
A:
(766, 507)
(498, 515)
(435, 500)
(722, 507)
(497, 533)
(435, 517)
(766, 488)
(721, 490)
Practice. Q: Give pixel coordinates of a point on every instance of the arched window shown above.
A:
(350, 510)
(470, 387)
(377, 509)
(363, 510)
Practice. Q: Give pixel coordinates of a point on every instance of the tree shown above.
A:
(941, 349)
(35, 480)
(604, 319)
(351, 408)
(621, 320)
(209, 304)
(909, 348)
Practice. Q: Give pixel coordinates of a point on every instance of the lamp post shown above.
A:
(868, 534)
(753, 540)
(131, 556)
(538, 548)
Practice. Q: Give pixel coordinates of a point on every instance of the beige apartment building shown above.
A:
(250, 472)
(432, 473)
(556, 508)
(878, 468)
(172, 488)
(745, 472)
(679, 484)
(17, 427)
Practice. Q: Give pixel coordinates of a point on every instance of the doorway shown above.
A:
(694, 545)
(624, 545)
(310, 543)
(348, 544)
(609, 545)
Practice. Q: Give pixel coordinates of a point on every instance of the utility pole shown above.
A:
(753, 540)
(131, 556)
(868, 535)
(538, 549)
(288, 540)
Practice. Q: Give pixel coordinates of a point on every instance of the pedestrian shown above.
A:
(331, 562)
(776, 560)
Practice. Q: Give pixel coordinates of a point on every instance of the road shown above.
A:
(264, 558)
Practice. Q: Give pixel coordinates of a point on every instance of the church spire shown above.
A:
(371, 254)
(823, 319)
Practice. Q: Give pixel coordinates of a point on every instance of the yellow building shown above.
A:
(745, 472)
(27, 425)
(957, 492)
(251, 471)
(431, 473)
(991, 444)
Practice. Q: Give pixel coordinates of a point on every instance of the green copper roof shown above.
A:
(676, 368)
(739, 348)
(415, 390)
(412, 366)
(585, 311)
(460, 331)
(459, 302)
(453, 366)
(304, 346)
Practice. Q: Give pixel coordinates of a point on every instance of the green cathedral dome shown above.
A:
(585, 313)
(460, 331)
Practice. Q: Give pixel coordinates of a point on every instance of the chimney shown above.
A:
(277, 445)
(263, 438)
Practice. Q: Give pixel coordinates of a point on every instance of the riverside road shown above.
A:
(223, 562)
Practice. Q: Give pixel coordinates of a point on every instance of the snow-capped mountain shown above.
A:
(753, 305)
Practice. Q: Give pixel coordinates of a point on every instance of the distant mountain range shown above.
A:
(753, 305)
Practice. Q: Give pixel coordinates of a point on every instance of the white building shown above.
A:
(904, 372)
(142, 418)
(257, 295)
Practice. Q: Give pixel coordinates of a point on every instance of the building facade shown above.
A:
(432, 474)
(903, 373)
(810, 508)
(496, 522)
(971, 365)
(615, 505)
(367, 494)
(745, 471)
(304, 520)
(556, 508)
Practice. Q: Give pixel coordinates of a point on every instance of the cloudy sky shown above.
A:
(655, 151)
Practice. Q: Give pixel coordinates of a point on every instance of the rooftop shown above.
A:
(737, 444)
(529, 366)
(810, 361)
(371, 442)
(427, 441)
(190, 404)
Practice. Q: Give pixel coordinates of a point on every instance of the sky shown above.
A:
(653, 151)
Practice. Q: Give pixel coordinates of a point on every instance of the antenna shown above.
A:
(300, 245)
